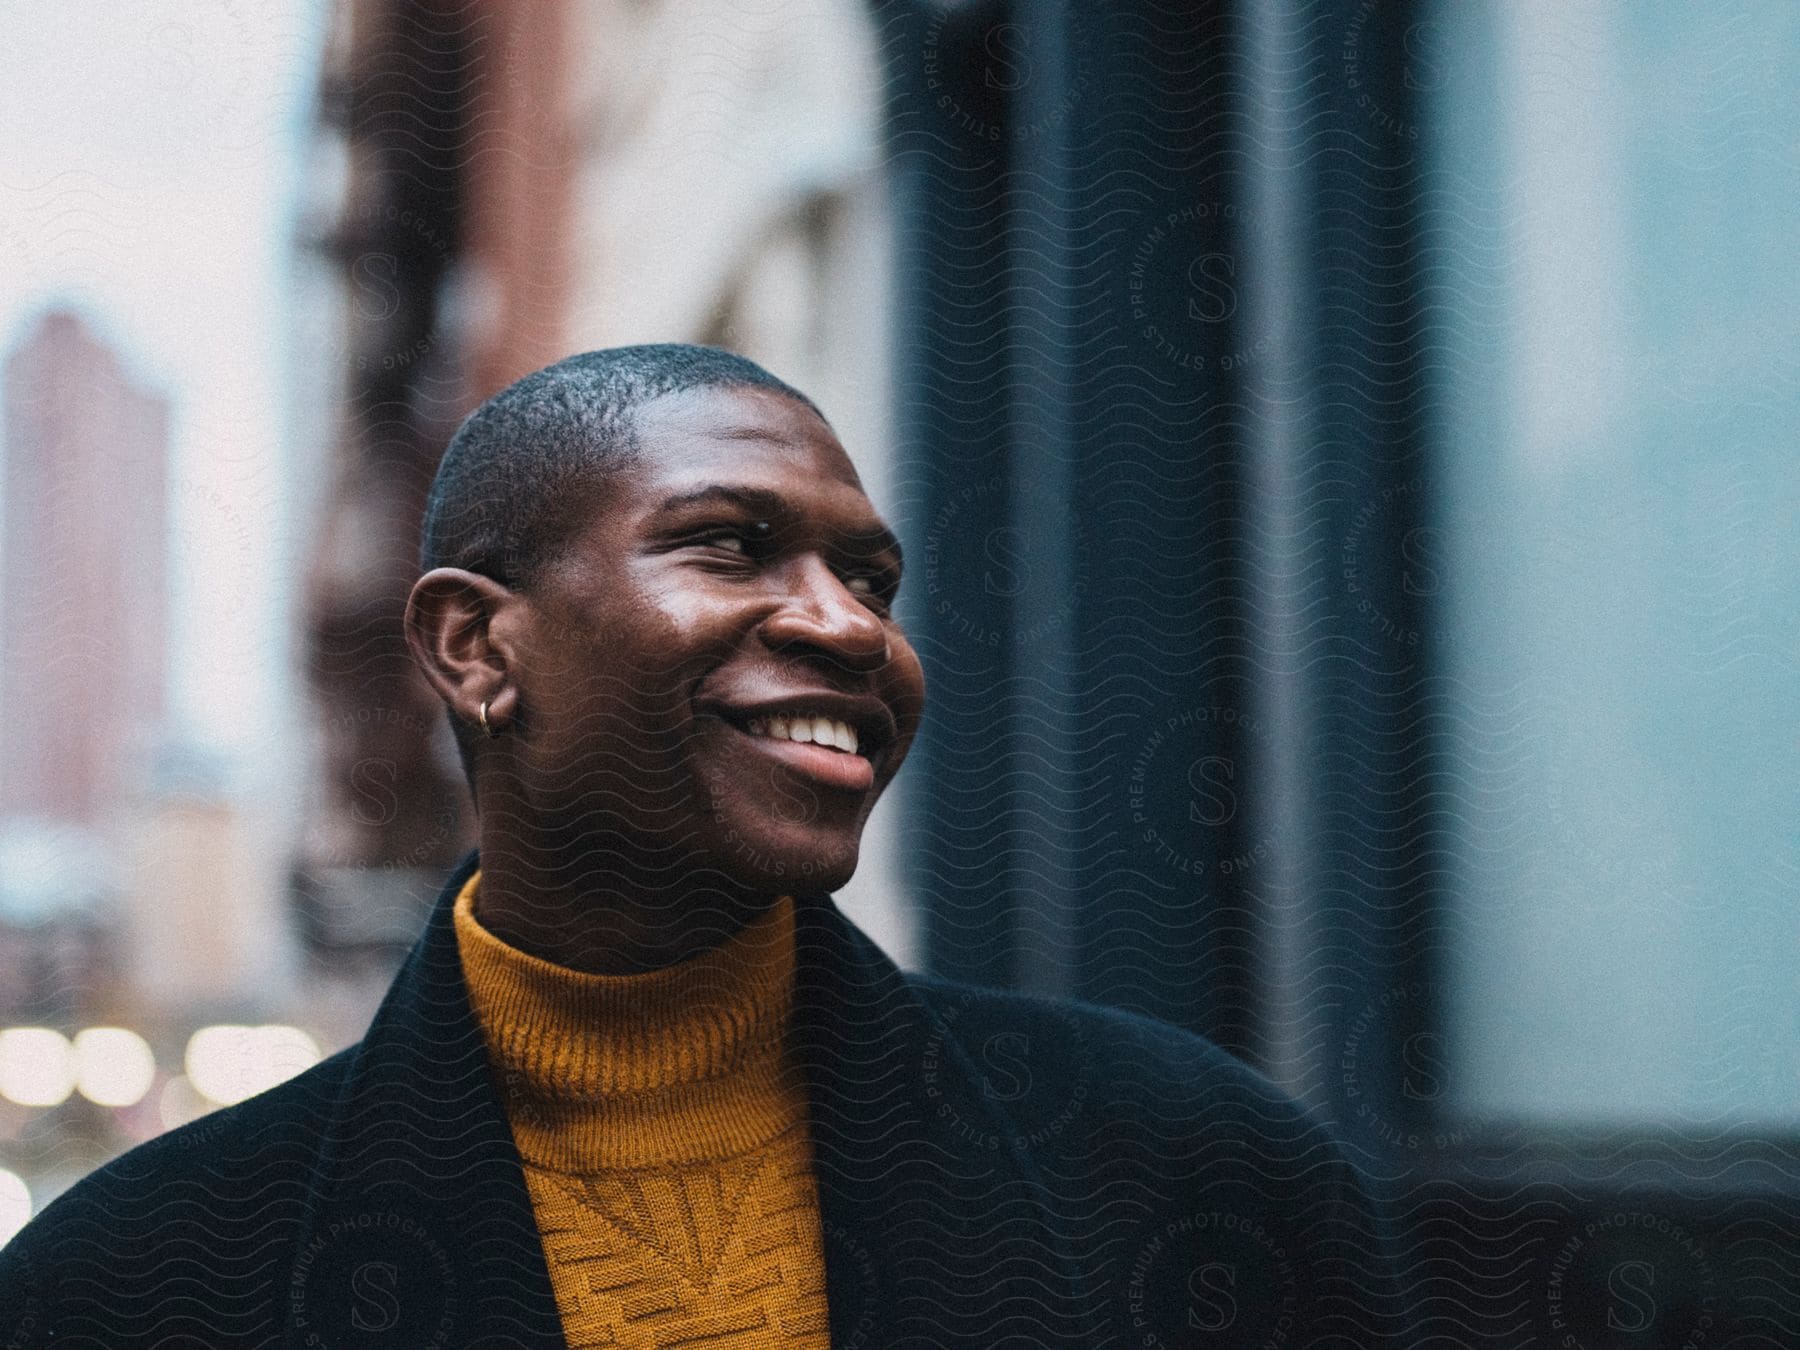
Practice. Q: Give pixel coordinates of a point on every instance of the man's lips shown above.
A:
(860, 719)
(822, 764)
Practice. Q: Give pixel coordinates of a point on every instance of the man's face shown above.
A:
(728, 594)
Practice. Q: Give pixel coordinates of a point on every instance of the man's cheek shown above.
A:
(586, 737)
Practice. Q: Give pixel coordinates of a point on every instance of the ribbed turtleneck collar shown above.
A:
(621, 1071)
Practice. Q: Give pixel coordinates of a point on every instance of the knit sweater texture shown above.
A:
(664, 1138)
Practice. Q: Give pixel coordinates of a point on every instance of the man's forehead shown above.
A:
(752, 450)
(754, 430)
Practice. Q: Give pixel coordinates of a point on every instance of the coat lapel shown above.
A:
(422, 1233)
(935, 1222)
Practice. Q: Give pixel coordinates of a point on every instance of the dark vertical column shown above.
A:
(949, 72)
(1163, 731)
(1376, 844)
(1043, 517)
(1067, 180)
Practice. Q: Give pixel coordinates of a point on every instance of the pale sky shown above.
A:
(150, 164)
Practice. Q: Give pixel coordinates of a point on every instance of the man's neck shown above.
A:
(588, 909)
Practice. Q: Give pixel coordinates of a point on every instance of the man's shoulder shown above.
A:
(1075, 1021)
(1155, 1142)
(1126, 1058)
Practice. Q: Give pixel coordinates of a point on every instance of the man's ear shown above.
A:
(466, 656)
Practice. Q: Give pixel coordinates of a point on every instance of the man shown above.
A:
(641, 1083)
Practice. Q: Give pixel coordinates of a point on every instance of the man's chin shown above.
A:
(789, 860)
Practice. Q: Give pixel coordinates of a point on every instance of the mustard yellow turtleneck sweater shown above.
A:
(664, 1138)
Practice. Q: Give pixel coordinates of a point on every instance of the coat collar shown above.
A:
(419, 1220)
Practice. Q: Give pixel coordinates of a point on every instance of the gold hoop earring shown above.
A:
(484, 720)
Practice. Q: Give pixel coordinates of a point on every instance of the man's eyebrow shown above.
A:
(750, 498)
(768, 502)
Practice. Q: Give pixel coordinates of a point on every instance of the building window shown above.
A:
(1618, 531)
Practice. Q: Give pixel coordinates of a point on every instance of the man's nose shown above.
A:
(822, 613)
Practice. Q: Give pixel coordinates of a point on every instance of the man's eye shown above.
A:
(740, 538)
(874, 585)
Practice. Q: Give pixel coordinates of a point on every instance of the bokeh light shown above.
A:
(113, 1066)
(37, 1066)
(229, 1063)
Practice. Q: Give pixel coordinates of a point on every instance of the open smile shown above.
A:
(819, 748)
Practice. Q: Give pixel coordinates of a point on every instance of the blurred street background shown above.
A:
(256, 262)
(1347, 459)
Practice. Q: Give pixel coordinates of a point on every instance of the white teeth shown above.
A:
(807, 731)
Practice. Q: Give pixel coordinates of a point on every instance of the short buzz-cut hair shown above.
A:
(509, 490)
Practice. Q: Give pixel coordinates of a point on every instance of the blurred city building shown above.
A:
(131, 906)
(82, 656)
(83, 585)
(108, 821)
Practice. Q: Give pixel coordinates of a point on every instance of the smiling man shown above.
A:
(641, 1083)
(673, 598)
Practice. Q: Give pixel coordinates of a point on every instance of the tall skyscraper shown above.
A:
(83, 575)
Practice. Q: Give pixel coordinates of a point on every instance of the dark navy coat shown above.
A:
(994, 1170)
